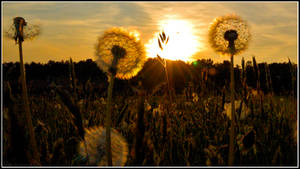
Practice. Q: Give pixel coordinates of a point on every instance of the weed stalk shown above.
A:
(231, 36)
(118, 53)
(32, 154)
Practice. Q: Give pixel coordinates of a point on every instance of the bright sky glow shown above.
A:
(182, 44)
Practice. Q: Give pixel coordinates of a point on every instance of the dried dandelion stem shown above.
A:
(231, 36)
(232, 128)
(32, 154)
(122, 56)
(118, 52)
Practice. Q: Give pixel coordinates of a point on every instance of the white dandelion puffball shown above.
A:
(229, 23)
(128, 65)
(95, 147)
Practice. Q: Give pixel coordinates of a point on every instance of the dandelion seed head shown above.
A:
(229, 27)
(21, 29)
(31, 31)
(95, 147)
(19, 23)
(133, 60)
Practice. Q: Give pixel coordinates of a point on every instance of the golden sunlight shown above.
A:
(182, 42)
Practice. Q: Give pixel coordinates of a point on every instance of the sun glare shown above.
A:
(182, 41)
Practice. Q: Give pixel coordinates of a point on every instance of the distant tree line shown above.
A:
(202, 75)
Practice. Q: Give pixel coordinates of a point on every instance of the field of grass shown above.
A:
(193, 130)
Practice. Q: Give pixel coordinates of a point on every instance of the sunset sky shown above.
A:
(71, 29)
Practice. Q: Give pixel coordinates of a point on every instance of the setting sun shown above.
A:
(182, 42)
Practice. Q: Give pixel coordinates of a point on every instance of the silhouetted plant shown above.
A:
(18, 33)
(120, 55)
(229, 35)
(162, 42)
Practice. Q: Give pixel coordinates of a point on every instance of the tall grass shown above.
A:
(197, 133)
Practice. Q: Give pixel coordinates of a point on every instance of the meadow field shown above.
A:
(189, 127)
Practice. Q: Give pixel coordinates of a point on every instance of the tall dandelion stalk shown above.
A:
(229, 35)
(20, 31)
(122, 56)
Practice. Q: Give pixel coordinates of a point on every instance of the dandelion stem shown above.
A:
(118, 52)
(232, 128)
(32, 154)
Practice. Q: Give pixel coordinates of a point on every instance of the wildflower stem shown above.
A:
(118, 53)
(32, 154)
(232, 128)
